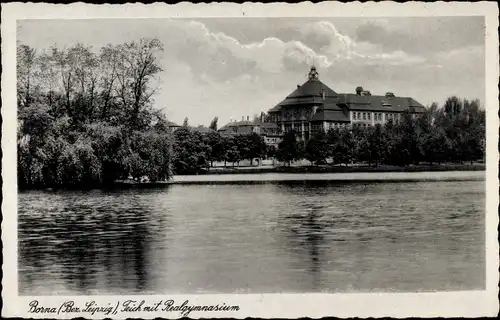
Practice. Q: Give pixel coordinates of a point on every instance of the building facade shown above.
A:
(314, 106)
(270, 131)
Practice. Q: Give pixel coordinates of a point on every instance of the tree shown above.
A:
(137, 66)
(86, 119)
(375, 144)
(217, 147)
(256, 147)
(434, 145)
(213, 124)
(271, 151)
(316, 149)
(332, 139)
(191, 154)
(26, 74)
(232, 150)
(345, 147)
(288, 148)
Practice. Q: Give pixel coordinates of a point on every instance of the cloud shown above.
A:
(233, 68)
(324, 36)
(423, 35)
(222, 57)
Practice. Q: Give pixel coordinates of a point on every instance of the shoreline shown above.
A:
(295, 175)
(349, 169)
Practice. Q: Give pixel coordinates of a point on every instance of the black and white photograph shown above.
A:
(241, 155)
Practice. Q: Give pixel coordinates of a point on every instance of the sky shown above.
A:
(238, 67)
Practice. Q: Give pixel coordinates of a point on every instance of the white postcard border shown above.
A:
(441, 304)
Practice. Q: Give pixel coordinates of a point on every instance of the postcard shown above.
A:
(231, 160)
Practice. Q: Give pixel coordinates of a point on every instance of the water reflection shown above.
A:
(280, 237)
(91, 242)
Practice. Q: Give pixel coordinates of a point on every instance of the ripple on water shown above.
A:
(314, 237)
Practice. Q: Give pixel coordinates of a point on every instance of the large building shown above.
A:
(314, 106)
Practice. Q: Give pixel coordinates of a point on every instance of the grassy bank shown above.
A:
(348, 169)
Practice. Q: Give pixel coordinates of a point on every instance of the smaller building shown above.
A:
(238, 127)
(269, 131)
(172, 126)
(201, 129)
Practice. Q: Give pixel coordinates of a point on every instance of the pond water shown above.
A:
(314, 236)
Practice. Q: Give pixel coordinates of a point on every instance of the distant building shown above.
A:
(172, 126)
(201, 129)
(314, 106)
(270, 131)
(239, 127)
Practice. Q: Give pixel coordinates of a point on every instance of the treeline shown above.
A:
(86, 118)
(196, 152)
(454, 132)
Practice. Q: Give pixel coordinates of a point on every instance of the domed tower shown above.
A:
(313, 74)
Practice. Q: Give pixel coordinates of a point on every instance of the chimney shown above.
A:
(242, 118)
(298, 86)
(359, 90)
(248, 118)
(389, 94)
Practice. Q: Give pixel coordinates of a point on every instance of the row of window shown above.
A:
(361, 115)
(393, 116)
(361, 125)
(338, 125)
(377, 116)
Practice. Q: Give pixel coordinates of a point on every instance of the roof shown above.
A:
(233, 124)
(172, 124)
(239, 123)
(311, 92)
(379, 103)
(311, 88)
(276, 108)
(201, 129)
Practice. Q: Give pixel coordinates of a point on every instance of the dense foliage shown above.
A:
(196, 152)
(453, 133)
(86, 118)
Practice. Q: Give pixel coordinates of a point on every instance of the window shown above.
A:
(354, 115)
(369, 115)
(364, 115)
